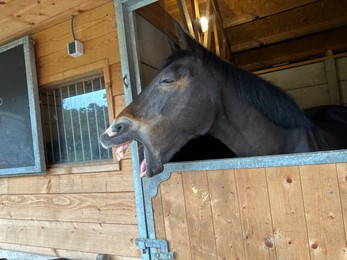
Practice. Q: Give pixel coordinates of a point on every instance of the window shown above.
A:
(74, 115)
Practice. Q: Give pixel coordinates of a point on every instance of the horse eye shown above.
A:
(166, 81)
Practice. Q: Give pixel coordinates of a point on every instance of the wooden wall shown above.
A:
(74, 215)
(313, 83)
(295, 212)
(341, 65)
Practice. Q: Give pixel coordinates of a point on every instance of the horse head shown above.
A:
(177, 106)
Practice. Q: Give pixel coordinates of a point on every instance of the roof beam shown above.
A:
(293, 50)
(306, 20)
(264, 11)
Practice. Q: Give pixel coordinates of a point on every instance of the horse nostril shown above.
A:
(118, 127)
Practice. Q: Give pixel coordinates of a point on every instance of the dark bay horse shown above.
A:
(197, 93)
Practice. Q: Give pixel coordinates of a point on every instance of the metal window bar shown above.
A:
(96, 121)
(64, 126)
(72, 126)
(57, 123)
(72, 121)
(105, 114)
(50, 127)
(80, 127)
(88, 128)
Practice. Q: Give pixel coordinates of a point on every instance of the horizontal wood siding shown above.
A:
(296, 212)
(316, 83)
(64, 213)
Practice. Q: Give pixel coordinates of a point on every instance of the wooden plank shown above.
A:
(175, 217)
(35, 254)
(154, 47)
(54, 252)
(111, 238)
(342, 178)
(293, 50)
(116, 79)
(121, 181)
(226, 215)
(187, 22)
(308, 19)
(158, 216)
(118, 208)
(158, 16)
(323, 211)
(87, 26)
(207, 35)
(298, 77)
(256, 10)
(42, 15)
(333, 85)
(287, 211)
(75, 73)
(341, 65)
(102, 48)
(343, 85)
(255, 213)
(199, 215)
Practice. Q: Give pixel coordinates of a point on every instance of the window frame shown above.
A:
(101, 68)
(39, 166)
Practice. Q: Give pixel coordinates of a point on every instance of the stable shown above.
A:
(68, 69)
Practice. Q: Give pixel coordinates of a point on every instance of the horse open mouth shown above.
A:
(122, 149)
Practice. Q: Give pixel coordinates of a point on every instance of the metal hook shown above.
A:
(125, 81)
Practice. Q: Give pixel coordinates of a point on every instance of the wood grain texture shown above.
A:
(176, 226)
(121, 181)
(118, 208)
(255, 213)
(324, 219)
(308, 19)
(55, 252)
(287, 211)
(18, 19)
(226, 217)
(88, 237)
(295, 212)
(199, 215)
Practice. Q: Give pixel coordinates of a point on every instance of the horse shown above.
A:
(196, 93)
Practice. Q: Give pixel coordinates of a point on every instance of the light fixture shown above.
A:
(204, 24)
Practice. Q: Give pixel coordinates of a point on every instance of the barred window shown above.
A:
(74, 115)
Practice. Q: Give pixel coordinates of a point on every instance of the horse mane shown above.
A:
(270, 100)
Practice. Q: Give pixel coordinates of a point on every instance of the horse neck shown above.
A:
(246, 131)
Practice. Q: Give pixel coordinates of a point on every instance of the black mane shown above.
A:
(272, 101)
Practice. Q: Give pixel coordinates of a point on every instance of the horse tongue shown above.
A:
(121, 149)
(143, 167)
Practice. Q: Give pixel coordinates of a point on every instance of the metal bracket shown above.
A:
(161, 247)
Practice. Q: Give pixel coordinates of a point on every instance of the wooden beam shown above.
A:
(264, 11)
(293, 50)
(157, 16)
(207, 35)
(33, 18)
(182, 5)
(298, 22)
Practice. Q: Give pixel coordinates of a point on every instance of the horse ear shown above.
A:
(188, 43)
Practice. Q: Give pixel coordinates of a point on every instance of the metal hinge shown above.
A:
(161, 249)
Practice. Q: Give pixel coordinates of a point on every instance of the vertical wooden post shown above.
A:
(332, 81)
(182, 5)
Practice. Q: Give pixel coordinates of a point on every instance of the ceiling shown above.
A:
(260, 33)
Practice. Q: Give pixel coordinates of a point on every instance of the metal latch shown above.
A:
(161, 248)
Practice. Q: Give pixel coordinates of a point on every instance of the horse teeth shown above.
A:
(119, 155)
(143, 174)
